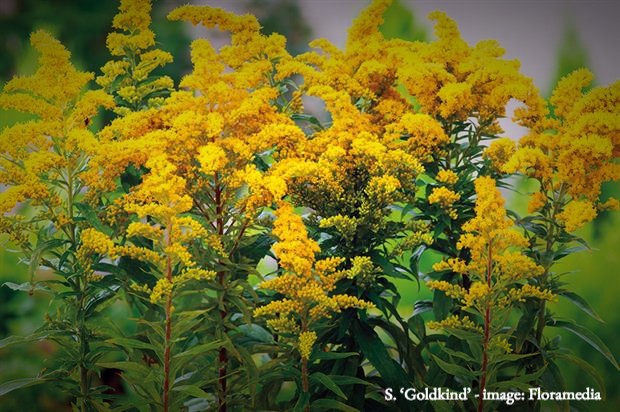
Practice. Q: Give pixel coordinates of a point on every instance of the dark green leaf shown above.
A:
(26, 286)
(319, 377)
(331, 405)
(587, 336)
(587, 368)
(191, 390)
(90, 215)
(12, 340)
(200, 349)
(18, 384)
(580, 303)
(375, 351)
(302, 402)
(416, 325)
(131, 343)
(453, 369)
(333, 355)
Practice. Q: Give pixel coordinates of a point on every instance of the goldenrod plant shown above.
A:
(260, 249)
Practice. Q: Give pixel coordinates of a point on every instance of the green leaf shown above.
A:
(416, 325)
(308, 118)
(101, 297)
(302, 402)
(524, 327)
(26, 286)
(328, 383)
(587, 337)
(200, 349)
(442, 305)
(12, 340)
(258, 248)
(126, 366)
(553, 381)
(586, 367)
(453, 369)
(131, 343)
(350, 380)
(334, 355)
(387, 267)
(90, 215)
(422, 306)
(375, 351)
(459, 355)
(18, 384)
(191, 390)
(581, 303)
(331, 405)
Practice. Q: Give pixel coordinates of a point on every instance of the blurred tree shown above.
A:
(283, 17)
(400, 22)
(82, 26)
(571, 55)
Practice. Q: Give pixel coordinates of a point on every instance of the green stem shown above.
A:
(221, 277)
(168, 332)
(550, 243)
(166, 388)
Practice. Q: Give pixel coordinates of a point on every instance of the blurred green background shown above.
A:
(592, 274)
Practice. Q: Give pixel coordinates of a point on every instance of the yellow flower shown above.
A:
(306, 341)
(537, 201)
(444, 196)
(94, 241)
(447, 176)
(576, 214)
(294, 250)
(212, 158)
(499, 151)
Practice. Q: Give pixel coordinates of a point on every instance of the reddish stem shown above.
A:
(305, 386)
(487, 326)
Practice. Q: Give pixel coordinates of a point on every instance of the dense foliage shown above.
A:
(257, 247)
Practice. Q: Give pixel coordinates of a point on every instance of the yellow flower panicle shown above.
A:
(47, 148)
(444, 196)
(454, 322)
(454, 81)
(573, 153)
(94, 241)
(499, 151)
(497, 269)
(160, 202)
(447, 176)
(576, 214)
(305, 283)
(133, 45)
(306, 341)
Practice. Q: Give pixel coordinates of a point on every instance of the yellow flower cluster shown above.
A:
(160, 202)
(164, 287)
(454, 322)
(94, 241)
(574, 152)
(444, 196)
(128, 77)
(305, 283)
(306, 341)
(497, 269)
(447, 176)
(49, 147)
(499, 151)
(454, 81)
